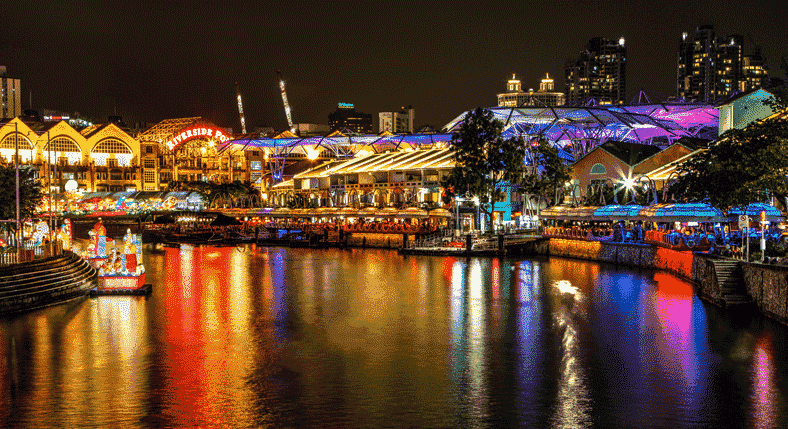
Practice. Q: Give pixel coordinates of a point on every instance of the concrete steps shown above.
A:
(731, 282)
(47, 282)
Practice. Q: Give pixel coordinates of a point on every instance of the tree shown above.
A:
(29, 193)
(485, 163)
(743, 166)
(547, 173)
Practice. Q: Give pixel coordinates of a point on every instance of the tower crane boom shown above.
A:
(240, 107)
(284, 100)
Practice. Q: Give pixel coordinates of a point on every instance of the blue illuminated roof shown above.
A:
(618, 212)
(686, 212)
(754, 211)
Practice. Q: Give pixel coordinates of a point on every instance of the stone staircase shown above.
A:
(44, 282)
(731, 282)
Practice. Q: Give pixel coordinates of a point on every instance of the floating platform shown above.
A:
(145, 289)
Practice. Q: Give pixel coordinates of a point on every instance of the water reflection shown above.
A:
(348, 338)
(765, 396)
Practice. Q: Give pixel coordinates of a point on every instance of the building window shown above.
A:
(111, 146)
(149, 176)
(112, 162)
(148, 149)
(598, 169)
(149, 163)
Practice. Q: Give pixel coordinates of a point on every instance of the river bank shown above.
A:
(765, 285)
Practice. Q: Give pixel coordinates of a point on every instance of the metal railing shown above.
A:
(28, 253)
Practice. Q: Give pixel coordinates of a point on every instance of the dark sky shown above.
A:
(153, 60)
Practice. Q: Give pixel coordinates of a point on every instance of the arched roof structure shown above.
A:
(642, 123)
(659, 123)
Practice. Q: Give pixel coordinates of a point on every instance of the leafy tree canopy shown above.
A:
(547, 173)
(29, 192)
(485, 162)
(743, 166)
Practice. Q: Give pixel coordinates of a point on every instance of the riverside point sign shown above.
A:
(203, 131)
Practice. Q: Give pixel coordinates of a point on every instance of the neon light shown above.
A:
(346, 106)
(197, 132)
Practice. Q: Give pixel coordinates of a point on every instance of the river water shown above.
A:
(277, 337)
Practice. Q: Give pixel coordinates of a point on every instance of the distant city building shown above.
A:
(711, 68)
(599, 73)
(10, 96)
(308, 130)
(346, 118)
(755, 72)
(397, 122)
(515, 96)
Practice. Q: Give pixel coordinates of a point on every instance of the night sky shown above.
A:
(154, 60)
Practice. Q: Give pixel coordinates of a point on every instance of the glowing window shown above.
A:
(111, 146)
(63, 144)
(10, 142)
(598, 169)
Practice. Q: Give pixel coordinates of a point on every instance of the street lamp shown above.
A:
(16, 168)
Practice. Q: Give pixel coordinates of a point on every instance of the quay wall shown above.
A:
(767, 285)
(380, 240)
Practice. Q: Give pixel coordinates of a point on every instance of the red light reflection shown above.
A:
(763, 391)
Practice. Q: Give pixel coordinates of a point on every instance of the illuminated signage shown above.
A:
(345, 106)
(197, 132)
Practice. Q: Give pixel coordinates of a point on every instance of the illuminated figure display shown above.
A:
(99, 239)
(64, 236)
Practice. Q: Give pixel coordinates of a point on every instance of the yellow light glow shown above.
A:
(312, 152)
(564, 286)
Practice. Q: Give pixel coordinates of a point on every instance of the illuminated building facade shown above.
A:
(397, 122)
(10, 96)
(599, 73)
(709, 68)
(546, 95)
(99, 158)
(346, 118)
(186, 150)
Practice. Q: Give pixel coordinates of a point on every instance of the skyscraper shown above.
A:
(754, 71)
(10, 96)
(709, 67)
(346, 118)
(397, 122)
(599, 73)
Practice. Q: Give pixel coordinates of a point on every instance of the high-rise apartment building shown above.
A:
(10, 96)
(397, 122)
(346, 118)
(599, 73)
(754, 70)
(709, 67)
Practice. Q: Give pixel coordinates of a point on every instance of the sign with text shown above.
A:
(744, 221)
(202, 131)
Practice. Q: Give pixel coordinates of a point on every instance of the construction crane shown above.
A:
(240, 107)
(284, 100)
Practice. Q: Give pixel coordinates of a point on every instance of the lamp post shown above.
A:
(16, 168)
